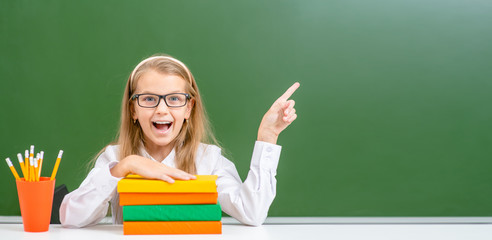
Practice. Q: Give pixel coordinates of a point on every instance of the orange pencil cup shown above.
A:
(35, 200)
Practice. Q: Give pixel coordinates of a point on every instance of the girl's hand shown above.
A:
(279, 116)
(147, 168)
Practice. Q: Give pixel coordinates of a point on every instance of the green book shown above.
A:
(202, 212)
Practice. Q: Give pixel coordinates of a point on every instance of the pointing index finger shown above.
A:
(289, 91)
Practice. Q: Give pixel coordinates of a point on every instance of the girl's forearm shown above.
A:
(120, 169)
(265, 135)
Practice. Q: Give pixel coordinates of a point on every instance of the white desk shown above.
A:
(271, 231)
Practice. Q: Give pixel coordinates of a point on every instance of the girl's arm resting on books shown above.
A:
(147, 168)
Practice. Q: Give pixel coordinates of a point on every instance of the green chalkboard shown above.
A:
(394, 108)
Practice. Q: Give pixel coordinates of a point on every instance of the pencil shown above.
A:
(12, 168)
(41, 163)
(36, 168)
(27, 168)
(21, 163)
(31, 169)
(57, 164)
(31, 162)
(31, 152)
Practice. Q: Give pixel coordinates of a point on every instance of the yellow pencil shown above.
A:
(31, 152)
(21, 163)
(31, 173)
(36, 168)
(31, 162)
(57, 164)
(12, 168)
(41, 163)
(27, 168)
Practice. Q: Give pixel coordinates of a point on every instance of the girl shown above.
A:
(163, 127)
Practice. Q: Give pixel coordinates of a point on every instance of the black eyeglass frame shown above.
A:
(136, 96)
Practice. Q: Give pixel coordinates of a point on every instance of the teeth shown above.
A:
(158, 122)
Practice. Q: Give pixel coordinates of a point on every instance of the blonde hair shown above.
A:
(194, 131)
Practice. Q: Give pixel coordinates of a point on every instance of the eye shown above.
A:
(174, 98)
(147, 98)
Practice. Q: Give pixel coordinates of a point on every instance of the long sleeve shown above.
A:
(250, 200)
(246, 201)
(88, 204)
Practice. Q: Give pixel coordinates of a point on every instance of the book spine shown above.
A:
(167, 198)
(153, 186)
(204, 212)
(185, 227)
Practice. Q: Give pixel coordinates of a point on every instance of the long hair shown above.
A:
(193, 132)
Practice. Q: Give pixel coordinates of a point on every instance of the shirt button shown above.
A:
(269, 149)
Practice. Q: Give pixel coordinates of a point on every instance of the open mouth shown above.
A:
(162, 126)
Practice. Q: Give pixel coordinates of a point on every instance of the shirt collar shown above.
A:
(169, 160)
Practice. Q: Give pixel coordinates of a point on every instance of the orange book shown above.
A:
(182, 227)
(167, 198)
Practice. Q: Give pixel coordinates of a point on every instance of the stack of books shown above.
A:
(158, 207)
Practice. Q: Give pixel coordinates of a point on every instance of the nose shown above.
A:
(162, 107)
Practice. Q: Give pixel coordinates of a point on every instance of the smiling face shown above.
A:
(160, 125)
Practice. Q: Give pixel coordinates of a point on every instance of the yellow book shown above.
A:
(136, 184)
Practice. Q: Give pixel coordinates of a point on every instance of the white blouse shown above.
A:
(246, 201)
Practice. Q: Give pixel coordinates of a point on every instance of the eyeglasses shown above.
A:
(172, 100)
